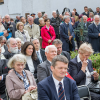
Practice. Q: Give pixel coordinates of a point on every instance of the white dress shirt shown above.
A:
(88, 75)
(39, 54)
(56, 82)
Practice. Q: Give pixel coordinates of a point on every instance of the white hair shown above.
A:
(65, 17)
(96, 16)
(16, 58)
(53, 12)
(34, 39)
(8, 41)
(30, 17)
(41, 19)
(50, 46)
(7, 15)
(18, 39)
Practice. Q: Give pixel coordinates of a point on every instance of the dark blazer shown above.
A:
(94, 38)
(43, 70)
(75, 71)
(97, 13)
(64, 36)
(5, 47)
(86, 14)
(13, 28)
(35, 63)
(36, 21)
(7, 54)
(3, 71)
(66, 54)
(47, 89)
(42, 52)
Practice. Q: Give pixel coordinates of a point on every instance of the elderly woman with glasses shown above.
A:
(19, 81)
(80, 68)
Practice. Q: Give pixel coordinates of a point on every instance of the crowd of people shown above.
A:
(35, 54)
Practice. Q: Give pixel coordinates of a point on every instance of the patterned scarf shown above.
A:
(24, 79)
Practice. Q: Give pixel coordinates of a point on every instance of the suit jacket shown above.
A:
(42, 52)
(18, 34)
(7, 54)
(86, 14)
(64, 36)
(34, 32)
(43, 70)
(3, 71)
(45, 35)
(97, 13)
(47, 89)
(94, 39)
(66, 54)
(36, 21)
(15, 86)
(35, 63)
(75, 71)
(13, 28)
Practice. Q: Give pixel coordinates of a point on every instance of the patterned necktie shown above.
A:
(61, 92)
(39, 57)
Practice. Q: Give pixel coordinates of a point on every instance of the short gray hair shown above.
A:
(30, 17)
(16, 58)
(65, 17)
(40, 19)
(57, 41)
(8, 41)
(34, 39)
(96, 16)
(53, 12)
(59, 58)
(18, 39)
(50, 46)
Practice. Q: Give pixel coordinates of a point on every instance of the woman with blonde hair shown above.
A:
(19, 81)
(80, 68)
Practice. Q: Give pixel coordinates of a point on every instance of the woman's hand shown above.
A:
(49, 41)
(96, 76)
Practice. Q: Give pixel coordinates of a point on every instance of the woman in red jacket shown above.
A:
(47, 34)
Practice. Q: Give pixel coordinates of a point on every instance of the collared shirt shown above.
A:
(30, 25)
(56, 82)
(88, 75)
(39, 54)
(47, 27)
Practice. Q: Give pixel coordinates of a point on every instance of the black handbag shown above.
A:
(94, 87)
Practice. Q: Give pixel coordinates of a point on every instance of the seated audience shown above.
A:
(18, 44)
(74, 16)
(28, 50)
(57, 86)
(3, 42)
(58, 44)
(47, 34)
(12, 48)
(80, 68)
(43, 69)
(40, 52)
(45, 16)
(33, 29)
(21, 33)
(19, 81)
(23, 20)
(90, 19)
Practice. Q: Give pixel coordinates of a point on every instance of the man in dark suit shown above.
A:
(58, 44)
(12, 48)
(94, 34)
(67, 35)
(10, 25)
(43, 69)
(97, 11)
(3, 72)
(36, 20)
(86, 12)
(57, 86)
(40, 53)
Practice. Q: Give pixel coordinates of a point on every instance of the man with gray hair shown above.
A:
(12, 48)
(66, 35)
(33, 29)
(94, 33)
(43, 69)
(58, 44)
(40, 52)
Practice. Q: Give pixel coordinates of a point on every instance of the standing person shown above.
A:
(75, 12)
(21, 33)
(47, 34)
(97, 11)
(57, 86)
(66, 35)
(19, 81)
(33, 29)
(86, 12)
(94, 33)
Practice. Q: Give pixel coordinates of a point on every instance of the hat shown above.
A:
(33, 14)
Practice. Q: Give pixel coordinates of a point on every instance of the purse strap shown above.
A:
(49, 33)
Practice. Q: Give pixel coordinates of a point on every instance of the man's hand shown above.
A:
(6, 33)
(99, 34)
(72, 23)
(0, 78)
(96, 76)
(70, 37)
(49, 41)
(84, 65)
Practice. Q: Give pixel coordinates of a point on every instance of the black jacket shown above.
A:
(66, 54)
(42, 52)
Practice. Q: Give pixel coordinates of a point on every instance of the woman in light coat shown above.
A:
(21, 33)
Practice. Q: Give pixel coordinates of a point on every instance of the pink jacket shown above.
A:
(45, 35)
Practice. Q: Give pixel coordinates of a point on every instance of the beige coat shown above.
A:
(34, 32)
(15, 86)
(18, 34)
